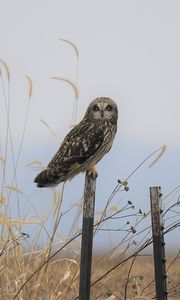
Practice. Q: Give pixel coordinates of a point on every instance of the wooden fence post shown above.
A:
(158, 243)
(87, 238)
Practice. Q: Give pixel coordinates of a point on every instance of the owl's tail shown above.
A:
(47, 178)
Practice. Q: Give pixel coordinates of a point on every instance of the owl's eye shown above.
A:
(109, 108)
(96, 108)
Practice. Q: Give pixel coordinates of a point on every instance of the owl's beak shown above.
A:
(102, 113)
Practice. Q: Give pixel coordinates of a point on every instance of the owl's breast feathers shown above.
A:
(82, 148)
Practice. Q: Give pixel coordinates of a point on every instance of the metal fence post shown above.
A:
(158, 243)
(87, 238)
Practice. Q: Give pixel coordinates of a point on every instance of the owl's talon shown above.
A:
(92, 173)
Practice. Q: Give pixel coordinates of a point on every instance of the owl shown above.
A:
(84, 145)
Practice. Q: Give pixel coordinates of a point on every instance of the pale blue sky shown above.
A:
(129, 51)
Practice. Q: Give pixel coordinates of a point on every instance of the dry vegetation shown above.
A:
(60, 279)
(52, 271)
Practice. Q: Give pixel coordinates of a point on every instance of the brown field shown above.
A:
(61, 277)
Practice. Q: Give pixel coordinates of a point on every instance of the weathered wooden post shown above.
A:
(158, 243)
(87, 237)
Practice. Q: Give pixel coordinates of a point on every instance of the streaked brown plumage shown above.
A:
(84, 145)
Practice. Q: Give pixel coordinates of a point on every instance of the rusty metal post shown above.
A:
(158, 243)
(87, 238)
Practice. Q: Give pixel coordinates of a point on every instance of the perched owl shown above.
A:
(84, 145)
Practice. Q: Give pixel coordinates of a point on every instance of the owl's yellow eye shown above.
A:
(96, 108)
(108, 107)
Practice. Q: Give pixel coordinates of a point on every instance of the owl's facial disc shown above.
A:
(102, 110)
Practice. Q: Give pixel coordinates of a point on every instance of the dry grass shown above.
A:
(60, 279)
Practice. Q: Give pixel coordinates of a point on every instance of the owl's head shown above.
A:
(102, 108)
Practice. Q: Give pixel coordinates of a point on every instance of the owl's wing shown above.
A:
(82, 142)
